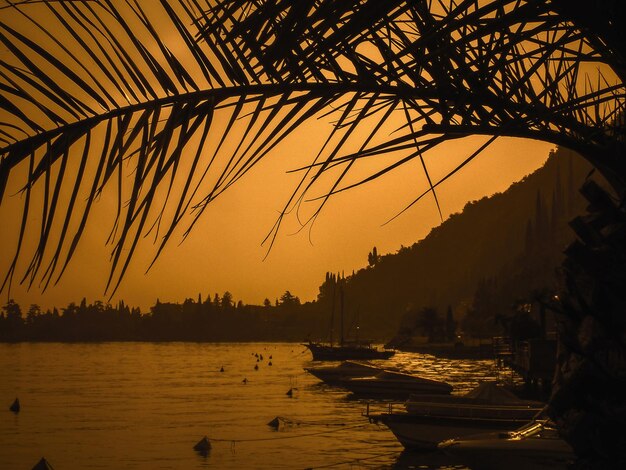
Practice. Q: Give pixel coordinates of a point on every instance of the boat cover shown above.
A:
(491, 392)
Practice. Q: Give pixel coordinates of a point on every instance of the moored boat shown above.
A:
(425, 432)
(343, 371)
(345, 351)
(431, 419)
(536, 446)
(394, 385)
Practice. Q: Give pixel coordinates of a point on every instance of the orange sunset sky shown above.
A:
(225, 251)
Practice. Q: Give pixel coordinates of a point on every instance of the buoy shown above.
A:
(245, 381)
(256, 367)
(257, 360)
(269, 363)
(203, 446)
(261, 357)
(15, 407)
(43, 465)
(270, 356)
(280, 422)
(289, 392)
(222, 369)
(275, 423)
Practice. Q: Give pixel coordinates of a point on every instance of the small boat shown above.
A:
(536, 445)
(343, 371)
(345, 350)
(394, 385)
(357, 349)
(431, 419)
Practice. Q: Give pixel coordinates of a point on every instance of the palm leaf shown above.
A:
(124, 96)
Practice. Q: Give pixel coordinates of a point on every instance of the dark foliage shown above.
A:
(189, 321)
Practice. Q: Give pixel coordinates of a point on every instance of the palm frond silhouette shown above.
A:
(91, 89)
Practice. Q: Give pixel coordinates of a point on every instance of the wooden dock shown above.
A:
(534, 360)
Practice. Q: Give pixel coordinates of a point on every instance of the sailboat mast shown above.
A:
(357, 325)
(332, 316)
(341, 310)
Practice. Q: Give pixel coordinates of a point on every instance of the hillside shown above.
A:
(509, 243)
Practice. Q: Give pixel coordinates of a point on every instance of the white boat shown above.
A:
(431, 419)
(343, 371)
(394, 385)
(536, 446)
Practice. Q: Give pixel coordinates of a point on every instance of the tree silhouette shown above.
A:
(110, 91)
(227, 300)
(450, 325)
(430, 323)
(373, 257)
(288, 300)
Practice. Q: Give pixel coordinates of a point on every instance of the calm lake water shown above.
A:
(145, 405)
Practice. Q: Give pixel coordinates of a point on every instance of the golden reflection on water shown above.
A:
(145, 405)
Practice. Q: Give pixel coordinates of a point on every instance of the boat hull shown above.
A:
(347, 369)
(540, 449)
(423, 433)
(395, 385)
(322, 352)
(519, 456)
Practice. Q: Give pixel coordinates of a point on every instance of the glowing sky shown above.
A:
(224, 251)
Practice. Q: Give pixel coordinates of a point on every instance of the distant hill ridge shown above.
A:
(513, 239)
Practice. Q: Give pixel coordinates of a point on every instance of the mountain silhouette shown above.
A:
(510, 243)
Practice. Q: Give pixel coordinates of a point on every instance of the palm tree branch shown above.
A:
(276, 64)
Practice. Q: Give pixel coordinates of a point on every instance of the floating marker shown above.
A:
(245, 381)
(256, 367)
(43, 465)
(15, 407)
(203, 446)
(270, 356)
(289, 392)
(275, 423)
(269, 363)
(280, 422)
(261, 357)
(222, 369)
